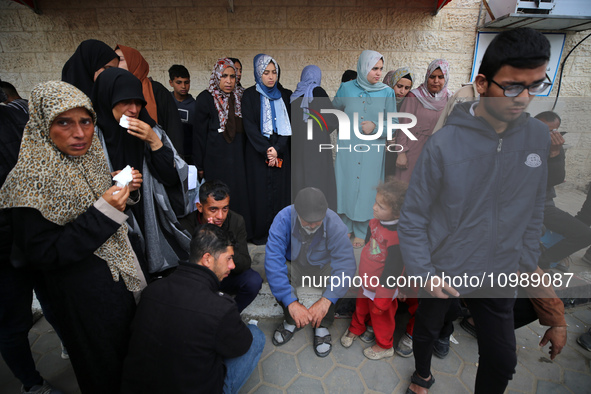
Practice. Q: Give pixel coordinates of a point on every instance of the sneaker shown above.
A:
(441, 347)
(373, 355)
(65, 354)
(404, 348)
(368, 336)
(44, 388)
(587, 256)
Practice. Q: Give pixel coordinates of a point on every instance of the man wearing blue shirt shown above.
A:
(308, 240)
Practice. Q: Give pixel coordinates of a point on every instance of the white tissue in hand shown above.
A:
(124, 121)
(123, 178)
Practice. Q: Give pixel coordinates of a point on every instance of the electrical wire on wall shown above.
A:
(562, 69)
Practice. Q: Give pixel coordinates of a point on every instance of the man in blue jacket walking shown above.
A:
(474, 209)
(308, 244)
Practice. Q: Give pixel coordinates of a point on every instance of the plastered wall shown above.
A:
(328, 33)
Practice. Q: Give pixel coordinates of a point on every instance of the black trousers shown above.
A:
(493, 318)
(584, 215)
(16, 296)
(295, 272)
(577, 235)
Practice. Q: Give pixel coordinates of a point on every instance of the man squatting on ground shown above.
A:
(475, 205)
(317, 241)
(214, 208)
(187, 336)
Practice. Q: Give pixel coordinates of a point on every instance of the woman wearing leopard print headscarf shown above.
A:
(69, 224)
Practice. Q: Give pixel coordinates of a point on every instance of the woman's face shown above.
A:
(269, 76)
(436, 81)
(375, 74)
(129, 108)
(238, 71)
(122, 62)
(72, 131)
(112, 63)
(228, 80)
(402, 87)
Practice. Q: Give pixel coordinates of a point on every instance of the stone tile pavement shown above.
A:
(294, 368)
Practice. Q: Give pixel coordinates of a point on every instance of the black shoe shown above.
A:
(441, 347)
(585, 340)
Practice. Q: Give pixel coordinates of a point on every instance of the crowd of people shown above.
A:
(135, 276)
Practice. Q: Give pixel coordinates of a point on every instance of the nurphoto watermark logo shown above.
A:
(344, 130)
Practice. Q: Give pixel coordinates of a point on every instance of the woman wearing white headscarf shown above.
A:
(359, 169)
(427, 103)
(267, 157)
(68, 223)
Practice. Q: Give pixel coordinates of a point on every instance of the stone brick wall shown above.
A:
(328, 33)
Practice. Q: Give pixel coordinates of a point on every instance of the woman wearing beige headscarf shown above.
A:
(69, 224)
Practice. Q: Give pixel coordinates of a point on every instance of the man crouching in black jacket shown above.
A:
(187, 336)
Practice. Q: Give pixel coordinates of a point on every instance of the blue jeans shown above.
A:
(238, 369)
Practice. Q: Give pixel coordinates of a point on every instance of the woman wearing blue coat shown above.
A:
(359, 164)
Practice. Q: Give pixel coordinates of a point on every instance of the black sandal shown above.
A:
(286, 335)
(322, 340)
(416, 379)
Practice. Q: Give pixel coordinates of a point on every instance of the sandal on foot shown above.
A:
(322, 340)
(285, 334)
(468, 327)
(416, 379)
(357, 242)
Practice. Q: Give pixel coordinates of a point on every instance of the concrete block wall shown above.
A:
(328, 33)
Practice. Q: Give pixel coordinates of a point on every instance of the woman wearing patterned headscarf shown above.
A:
(426, 102)
(218, 135)
(159, 102)
(359, 166)
(401, 81)
(143, 145)
(267, 157)
(312, 167)
(69, 223)
(90, 59)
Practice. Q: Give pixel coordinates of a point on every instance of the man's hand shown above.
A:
(556, 141)
(557, 338)
(300, 314)
(319, 310)
(435, 286)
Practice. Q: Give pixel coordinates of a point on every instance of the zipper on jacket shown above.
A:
(500, 145)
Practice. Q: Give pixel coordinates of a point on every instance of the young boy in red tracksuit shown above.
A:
(380, 259)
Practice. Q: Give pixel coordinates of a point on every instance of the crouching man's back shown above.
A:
(187, 335)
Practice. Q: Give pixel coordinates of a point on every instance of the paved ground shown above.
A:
(294, 368)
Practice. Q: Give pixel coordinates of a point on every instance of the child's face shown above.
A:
(382, 211)
(181, 86)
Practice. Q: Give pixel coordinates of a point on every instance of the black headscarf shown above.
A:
(90, 56)
(111, 87)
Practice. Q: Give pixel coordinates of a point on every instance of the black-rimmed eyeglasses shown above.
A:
(533, 89)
